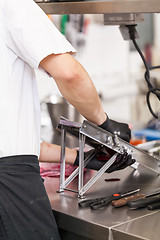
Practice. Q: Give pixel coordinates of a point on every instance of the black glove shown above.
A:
(122, 161)
(112, 126)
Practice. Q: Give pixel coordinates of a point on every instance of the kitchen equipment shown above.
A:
(101, 202)
(153, 206)
(58, 106)
(151, 147)
(124, 201)
(96, 137)
(100, 7)
(143, 202)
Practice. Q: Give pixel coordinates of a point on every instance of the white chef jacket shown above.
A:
(26, 37)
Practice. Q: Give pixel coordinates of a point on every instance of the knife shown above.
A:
(143, 202)
(97, 203)
(123, 201)
(105, 202)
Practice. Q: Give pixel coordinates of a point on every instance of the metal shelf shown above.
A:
(100, 7)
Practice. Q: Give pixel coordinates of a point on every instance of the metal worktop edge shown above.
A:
(100, 7)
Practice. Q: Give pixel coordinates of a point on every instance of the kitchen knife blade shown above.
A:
(123, 201)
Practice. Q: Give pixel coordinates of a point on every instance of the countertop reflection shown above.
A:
(100, 224)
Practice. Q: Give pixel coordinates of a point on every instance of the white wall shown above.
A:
(106, 58)
(157, 39)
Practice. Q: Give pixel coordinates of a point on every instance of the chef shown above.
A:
(28, 41)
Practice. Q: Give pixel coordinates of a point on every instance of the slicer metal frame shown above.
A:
(94, 136)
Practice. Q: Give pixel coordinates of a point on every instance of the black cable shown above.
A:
(151, 88)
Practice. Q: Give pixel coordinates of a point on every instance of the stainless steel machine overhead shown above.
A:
(99, 7)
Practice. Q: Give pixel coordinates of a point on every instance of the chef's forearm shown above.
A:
(52, 152)
(82, 94)
(75, 85)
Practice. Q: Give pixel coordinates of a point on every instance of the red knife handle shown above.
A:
(123, 201)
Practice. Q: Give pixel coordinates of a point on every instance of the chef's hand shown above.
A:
(122, 161)
(112, 126)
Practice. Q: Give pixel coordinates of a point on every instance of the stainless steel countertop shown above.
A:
(123, 222)
(146, 227)
(100, 7)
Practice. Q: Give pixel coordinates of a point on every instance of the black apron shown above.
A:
(25, 211)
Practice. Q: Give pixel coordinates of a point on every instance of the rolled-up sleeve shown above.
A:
(31, 34)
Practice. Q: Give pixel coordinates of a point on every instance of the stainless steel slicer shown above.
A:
(94, 136)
